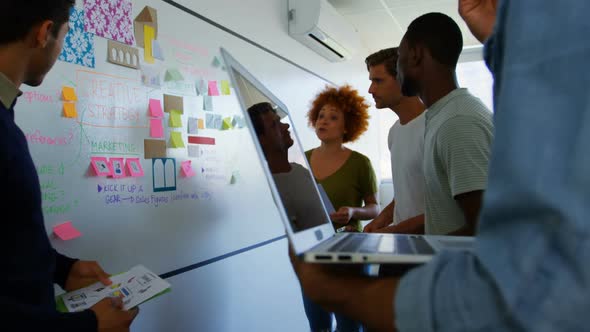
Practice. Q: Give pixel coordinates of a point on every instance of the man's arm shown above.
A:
(382, 220)
(414, 225)
(365, 299)
(470, 203)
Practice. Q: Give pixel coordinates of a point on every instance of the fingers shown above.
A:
(117, 302)
(101, 275)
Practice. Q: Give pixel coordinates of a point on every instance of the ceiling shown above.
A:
(382, 23)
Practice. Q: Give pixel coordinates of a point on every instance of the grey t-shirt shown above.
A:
(457, 146)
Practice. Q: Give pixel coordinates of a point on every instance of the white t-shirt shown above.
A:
(406, 145)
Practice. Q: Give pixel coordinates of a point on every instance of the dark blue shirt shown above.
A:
(30, 266)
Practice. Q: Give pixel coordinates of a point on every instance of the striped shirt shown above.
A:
(457, 144)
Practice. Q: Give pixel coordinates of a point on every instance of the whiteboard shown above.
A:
(168, 222)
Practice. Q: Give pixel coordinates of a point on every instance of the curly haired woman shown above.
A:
(339, 116)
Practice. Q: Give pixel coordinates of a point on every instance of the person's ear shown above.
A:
(43, 34)
(416, 55)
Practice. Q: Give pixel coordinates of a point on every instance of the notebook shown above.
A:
(303, 205)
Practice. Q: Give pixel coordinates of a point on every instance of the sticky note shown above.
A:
(240, 122)
(176, 139)
(70, 110)
(216, 63)
(201, 87)
(118, 167)
(227, 123)
(173, 103)
(101, 166)
(187, 168)
(225, 87)
(213, 91)
(173, 74)
(157, 50)
(175, 121)
(201, 124)
(156, 108)
(66, 231)
(69, 94)
(192, 126)
(154, 148)
(149, 34)
(207, 103)
(134, 167)
(201, 140)
(194, 151)
(156, 128)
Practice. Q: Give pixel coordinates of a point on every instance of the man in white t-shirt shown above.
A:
(406, 144)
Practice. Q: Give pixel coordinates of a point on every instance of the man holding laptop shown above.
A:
(528, 270)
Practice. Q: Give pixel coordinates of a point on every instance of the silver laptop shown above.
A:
(303, 206)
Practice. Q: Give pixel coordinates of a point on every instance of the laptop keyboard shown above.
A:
(422, 247)
(382, 244)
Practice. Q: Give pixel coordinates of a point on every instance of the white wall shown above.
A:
(267, 25)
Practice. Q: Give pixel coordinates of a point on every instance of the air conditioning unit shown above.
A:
(317, 25)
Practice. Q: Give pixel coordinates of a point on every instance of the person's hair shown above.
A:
(255, 112)
(440, 34)
(386, 56)
(17, 17)
(353, 107)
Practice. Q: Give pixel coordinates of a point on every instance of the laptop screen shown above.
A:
(288, 173)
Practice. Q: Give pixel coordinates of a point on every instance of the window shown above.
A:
(476, 77)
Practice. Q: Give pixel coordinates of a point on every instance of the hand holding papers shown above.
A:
(134, 286)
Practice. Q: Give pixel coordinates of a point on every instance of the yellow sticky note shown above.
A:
(70, 110)
(176, 139)
(201, 123)
(69, 94)
(175, 121)
(227, 124)
(148, 35)
(225, 87)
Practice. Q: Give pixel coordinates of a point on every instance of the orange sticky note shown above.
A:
(70, 110)
(201, 124)
(69, 94)
(66, 231)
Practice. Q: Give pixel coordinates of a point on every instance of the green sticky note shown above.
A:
(175, 120)
(216, 63)
(173, 74)
(176, 139)
(227, 124)
(225, 87)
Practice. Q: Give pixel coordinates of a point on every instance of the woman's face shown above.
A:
(330, 124)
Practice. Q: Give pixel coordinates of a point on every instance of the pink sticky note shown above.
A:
(134, 167)
(101, 166)
(187, 169)
(156, 128)
(213, 91)
(118, 167)
(156, 108)
(66, 231)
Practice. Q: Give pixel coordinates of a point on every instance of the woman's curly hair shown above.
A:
(353, 106)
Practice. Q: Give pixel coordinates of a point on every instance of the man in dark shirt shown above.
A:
(31, 37)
